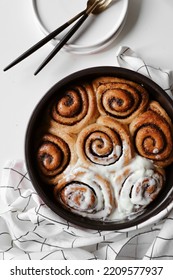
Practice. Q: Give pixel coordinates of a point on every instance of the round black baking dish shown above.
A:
(34, 128)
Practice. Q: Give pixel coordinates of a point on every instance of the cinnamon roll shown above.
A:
(153, 136)
(104, 143)
(54, 155)
(74, 108)
(86, 194)
(120, 99)
(137, 187)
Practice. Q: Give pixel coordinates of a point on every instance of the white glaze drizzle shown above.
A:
(126, 199)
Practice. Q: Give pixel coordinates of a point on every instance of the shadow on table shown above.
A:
(133, 15)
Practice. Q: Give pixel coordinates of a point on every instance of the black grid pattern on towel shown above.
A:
(146, 69)
(67, 241)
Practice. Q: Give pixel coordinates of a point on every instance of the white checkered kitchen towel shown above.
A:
(30, 230)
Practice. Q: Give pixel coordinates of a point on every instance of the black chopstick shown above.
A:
(43, 41)
(66, 37)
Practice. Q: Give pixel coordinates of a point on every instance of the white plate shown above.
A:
(96, 32)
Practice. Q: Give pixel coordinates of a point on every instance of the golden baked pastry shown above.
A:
(138, 187)
(74, 108)
(104, 143)
(104, 148)
(153, 135)
(119, 98)
(55, 153)
(86, 193)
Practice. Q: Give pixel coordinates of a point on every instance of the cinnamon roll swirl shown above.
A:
(104, 143)
(136, 188)
(120, 99)
(153, 136)
(86, 194)
(53, 157)
(74, 108)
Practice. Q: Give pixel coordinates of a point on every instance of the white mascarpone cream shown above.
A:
(122, 191)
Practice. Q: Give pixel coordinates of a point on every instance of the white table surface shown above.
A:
(148, 31)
